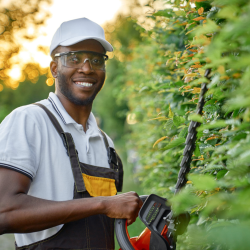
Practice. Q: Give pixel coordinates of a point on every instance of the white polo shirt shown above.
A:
(30, 144)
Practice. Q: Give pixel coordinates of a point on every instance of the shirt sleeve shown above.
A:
(20, 142)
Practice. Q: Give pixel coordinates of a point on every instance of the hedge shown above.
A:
(163, 79)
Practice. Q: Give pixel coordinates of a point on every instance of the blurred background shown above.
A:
(161, 51)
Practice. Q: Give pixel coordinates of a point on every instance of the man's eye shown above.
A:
(74, 59)
(97, 61)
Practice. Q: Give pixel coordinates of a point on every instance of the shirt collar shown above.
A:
(66, 118)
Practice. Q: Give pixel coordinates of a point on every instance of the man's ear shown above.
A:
(54, 68)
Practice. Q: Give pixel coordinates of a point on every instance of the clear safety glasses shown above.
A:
(76, 59)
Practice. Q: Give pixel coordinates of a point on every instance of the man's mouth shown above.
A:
(85, 84)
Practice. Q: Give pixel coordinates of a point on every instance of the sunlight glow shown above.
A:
(15, 73)
(50, 81)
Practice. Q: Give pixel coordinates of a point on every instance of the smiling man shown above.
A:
(59, 173)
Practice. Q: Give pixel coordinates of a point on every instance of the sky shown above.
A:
(98, 11)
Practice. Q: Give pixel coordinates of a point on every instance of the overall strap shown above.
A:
(112, 157)
(114, 161)
(105, 139)
(69, 144)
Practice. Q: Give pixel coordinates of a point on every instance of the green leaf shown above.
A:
(166, 13)
(195, 117)
(178, 120)
(228, 12)
(170, 114)
(221, 173)
(197, 151)
(211, 108)
(203, 182)
(210, 102)
(210, 27)
(180, 13)
(175, 143)
(169, 124)
(213, 124)
(183, 132)
(184, 201)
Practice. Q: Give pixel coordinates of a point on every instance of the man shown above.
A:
(58, 172)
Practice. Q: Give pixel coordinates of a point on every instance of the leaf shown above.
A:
(175, 143)
(169, 124)
(199, 18)
(228, 12)
(191, 75)
(171, 114)
(178, 120)
(197, 151)
(180, 13)
(196, 66)
(184, 201)
(201, 71)
(221, 174)
(203, 182)
(210, 108)
(196, 90)
(143, 88)
(209, 27)
(195, 117)
(159, 140)
(213, 124)
(183, 23)
(200, 10)
(183, 132)
(166, 13)
(163, 118)
(212, 138)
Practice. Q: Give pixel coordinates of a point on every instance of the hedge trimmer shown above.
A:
(162, 227)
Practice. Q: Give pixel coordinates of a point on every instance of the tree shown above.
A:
(19, 23)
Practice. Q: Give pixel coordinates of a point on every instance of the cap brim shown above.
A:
(107, 46)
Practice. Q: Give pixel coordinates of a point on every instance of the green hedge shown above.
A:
(163, 78)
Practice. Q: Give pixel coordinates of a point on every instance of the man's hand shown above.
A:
(22, 213)
(123, 206)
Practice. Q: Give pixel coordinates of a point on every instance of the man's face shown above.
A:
(71, 82)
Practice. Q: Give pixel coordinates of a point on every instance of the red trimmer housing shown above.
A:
(154, 214)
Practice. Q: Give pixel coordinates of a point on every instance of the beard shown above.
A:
(67, 92)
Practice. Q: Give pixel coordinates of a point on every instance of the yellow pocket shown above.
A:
(98, 186)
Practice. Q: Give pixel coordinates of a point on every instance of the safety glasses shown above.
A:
(76, 59)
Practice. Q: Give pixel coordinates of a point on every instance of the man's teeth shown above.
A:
(86, 84)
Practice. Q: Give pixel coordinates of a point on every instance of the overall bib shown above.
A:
(94, 232)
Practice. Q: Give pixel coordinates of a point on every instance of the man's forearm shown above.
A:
(25, 214)
(22, 213)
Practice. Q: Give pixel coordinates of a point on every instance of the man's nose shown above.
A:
(86, 66)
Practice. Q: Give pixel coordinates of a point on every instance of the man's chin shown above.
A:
(80, 101)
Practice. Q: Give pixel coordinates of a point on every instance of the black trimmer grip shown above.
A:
(121, 231)
(121, 234)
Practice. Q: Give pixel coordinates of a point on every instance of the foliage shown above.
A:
(27, 93)
(19, 24)
(163, 80)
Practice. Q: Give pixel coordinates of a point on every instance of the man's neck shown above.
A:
(79, 113)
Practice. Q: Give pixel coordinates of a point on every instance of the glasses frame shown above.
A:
(85, 51)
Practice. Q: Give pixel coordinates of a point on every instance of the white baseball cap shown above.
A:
(77, 30)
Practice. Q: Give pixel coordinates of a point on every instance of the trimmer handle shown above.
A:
(121, 231)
